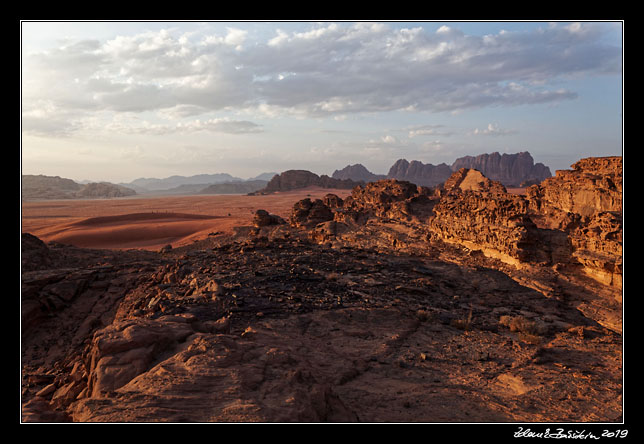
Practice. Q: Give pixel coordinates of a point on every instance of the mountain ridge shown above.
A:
(513, 170)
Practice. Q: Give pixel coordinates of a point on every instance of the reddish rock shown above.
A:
(297, 179)
(263, 218)
(310, 213)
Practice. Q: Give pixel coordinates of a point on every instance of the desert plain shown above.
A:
(151, 223)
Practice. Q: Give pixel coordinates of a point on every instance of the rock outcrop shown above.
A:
(586, 203)
(297, 179)
(307, 213)
(263, 218)
(472, 180)
(390, 199)
(512, 170)
(493, 222)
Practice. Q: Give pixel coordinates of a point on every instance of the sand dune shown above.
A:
(151, 223)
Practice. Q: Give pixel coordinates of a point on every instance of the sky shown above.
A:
(117, 101)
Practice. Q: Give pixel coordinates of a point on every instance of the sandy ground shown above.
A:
(150, 223)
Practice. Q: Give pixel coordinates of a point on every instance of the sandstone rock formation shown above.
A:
(262, 218)
(296, 179)
(472, 180)
(390, 198)
(495, 224)
(310, 213)
(512, 170)
(586, 202)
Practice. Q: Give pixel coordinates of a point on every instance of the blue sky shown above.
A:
(116, 101)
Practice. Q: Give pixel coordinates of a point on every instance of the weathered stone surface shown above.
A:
(593, 185)
(126, 349)
(262, 218)
(310, 213)
(472, 180)
(496, 223)
(389, 198)
(34, 253)
(586, 203)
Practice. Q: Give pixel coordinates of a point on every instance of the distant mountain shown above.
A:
(512, 170)
(104, 189)
(420, 173)
(55, 187)
(153, 184)
(357, 172)
(263, 176)
(245, 187)
(297, 179)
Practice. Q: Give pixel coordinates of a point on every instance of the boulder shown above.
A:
(262, 218)
(309, 213)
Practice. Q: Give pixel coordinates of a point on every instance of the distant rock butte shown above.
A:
(420, 173)
(512, 170)
(357, 172)
(297, 179)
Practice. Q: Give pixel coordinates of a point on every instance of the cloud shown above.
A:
(427, 130)
(329, 70)
(492, 130)
(217, 125)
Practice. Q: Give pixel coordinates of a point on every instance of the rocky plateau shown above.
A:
(461, 303)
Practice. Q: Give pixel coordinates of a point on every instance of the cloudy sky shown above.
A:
(116, 101)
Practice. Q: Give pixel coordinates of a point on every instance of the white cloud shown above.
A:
(427, 130)
(492, 130)
(216, 125)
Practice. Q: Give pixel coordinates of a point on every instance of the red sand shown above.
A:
(150, 223)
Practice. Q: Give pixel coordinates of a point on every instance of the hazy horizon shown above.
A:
(118, 101)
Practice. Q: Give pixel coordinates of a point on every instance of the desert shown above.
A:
(390, 302)
(325, 222)
(151, 222)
